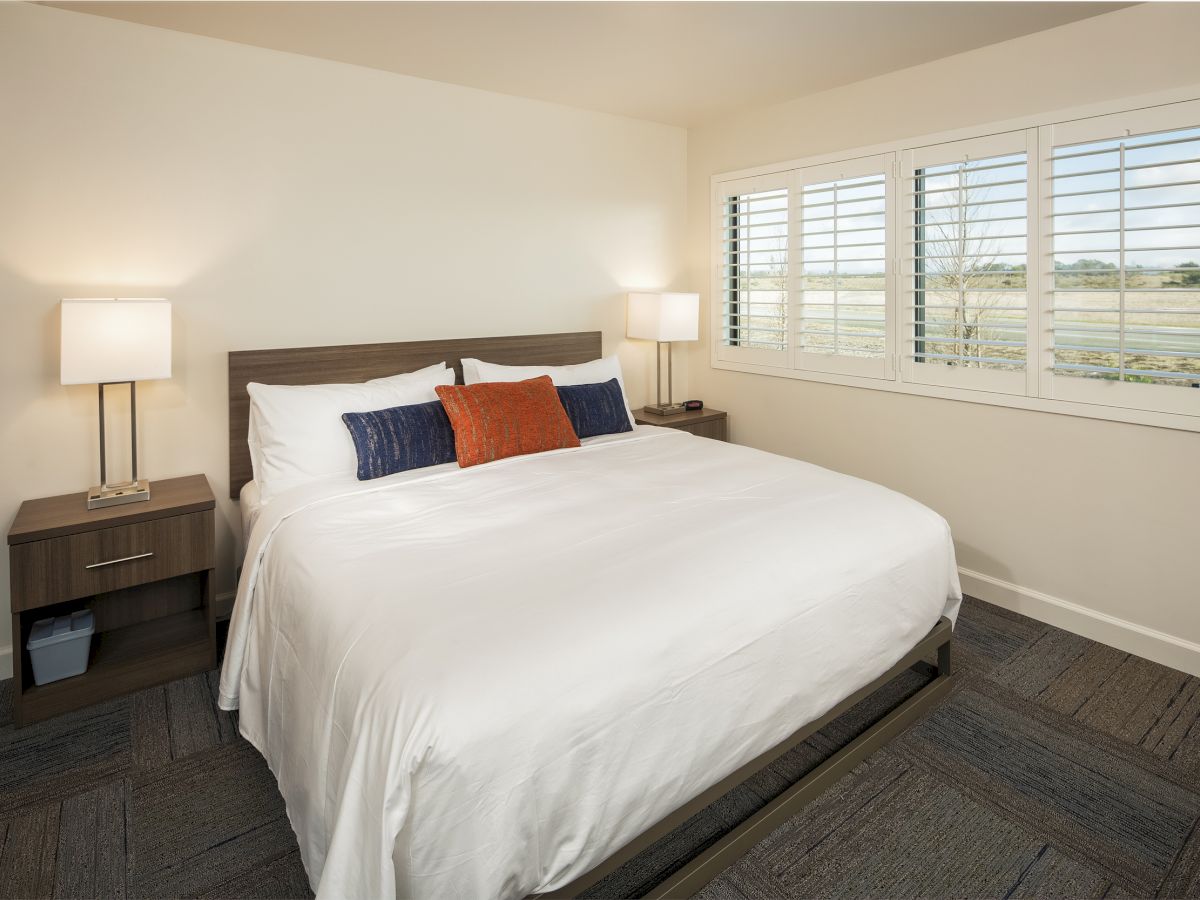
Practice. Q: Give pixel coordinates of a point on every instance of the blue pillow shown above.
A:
(595, 408)
(401, 438)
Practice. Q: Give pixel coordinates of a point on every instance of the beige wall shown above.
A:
(280, 201)
(1097, 514)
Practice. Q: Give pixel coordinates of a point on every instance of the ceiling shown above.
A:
(682, 63)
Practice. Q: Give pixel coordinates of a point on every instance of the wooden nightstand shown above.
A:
(709, 423)
(146, 572)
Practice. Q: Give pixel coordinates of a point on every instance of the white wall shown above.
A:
(1095, 521)
(281, 201)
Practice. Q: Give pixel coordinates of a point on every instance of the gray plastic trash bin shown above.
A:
(59, 647)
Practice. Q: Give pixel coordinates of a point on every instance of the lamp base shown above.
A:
(115, 494)
(665, 409)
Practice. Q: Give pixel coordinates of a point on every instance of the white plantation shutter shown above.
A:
(964, 276)
(753, 273)
(843, 283)
(1122, 274)
(1057, 264)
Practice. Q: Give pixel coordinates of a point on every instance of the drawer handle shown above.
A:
(113, 562)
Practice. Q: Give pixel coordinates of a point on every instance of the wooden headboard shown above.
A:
(362, 362)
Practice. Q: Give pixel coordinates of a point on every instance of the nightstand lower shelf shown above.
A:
(126, 659)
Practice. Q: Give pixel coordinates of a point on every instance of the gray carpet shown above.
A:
(1059, 767)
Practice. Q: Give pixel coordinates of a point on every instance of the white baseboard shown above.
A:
(1128, 636)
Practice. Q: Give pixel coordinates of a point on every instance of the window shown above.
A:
(966, 264)
(1051, 266)
(841, 216)
(754, 271)
(1124, 278)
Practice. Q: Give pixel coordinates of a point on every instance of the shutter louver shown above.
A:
(1125, 261)
(754, 270)
(1057, 264)
(843, 322)
(843, 237)
(966, 267)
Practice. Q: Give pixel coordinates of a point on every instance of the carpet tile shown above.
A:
(1066, 767)
(989, 635)
(977, 853)
(1034, 667)
(1057, 767)
(28, 859)
(1116, 810)
(208, 816)
(91, 844)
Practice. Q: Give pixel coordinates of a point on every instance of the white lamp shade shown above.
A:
(115, 340)
(664, 317)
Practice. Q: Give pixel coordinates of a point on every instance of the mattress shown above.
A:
(250, 505)
(482, 682)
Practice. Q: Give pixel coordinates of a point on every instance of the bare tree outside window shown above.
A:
(971, 264)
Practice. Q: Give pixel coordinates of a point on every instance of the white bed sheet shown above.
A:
(249, 505)
(482, 682)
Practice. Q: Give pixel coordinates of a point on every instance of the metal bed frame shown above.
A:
(709, 863)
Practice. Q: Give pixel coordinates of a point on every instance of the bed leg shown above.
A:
(944, 664)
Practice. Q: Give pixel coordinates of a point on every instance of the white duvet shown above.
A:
(481, 682)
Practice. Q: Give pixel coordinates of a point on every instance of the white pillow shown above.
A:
(595, 372)
(296, 432)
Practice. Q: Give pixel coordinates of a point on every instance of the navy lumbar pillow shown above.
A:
(401, 438)
(595, 408)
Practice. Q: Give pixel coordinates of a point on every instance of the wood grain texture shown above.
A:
(142, 602)
(56, 569)
(717, 429)
(154, 613)
(51, 517)
(706, 422)
(126, 660)
(352, 363)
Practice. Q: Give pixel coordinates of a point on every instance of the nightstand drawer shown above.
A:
(715, 429)
(106, 559)
(706, 422)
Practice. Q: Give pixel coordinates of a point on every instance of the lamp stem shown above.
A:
(106, 494)
(658, 373)
(133, 428)
(103, 465)
(670, 372)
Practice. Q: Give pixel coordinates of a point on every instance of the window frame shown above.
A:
(731, 353)
(833, 363)
(1043, 392)
(1017, 381)
(1162, 398)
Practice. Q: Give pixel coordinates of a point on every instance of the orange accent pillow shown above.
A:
(495, 420)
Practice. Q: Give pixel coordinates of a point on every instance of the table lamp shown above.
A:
(665, 318)
(116, 342)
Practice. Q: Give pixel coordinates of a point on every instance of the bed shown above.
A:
(507, 679)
